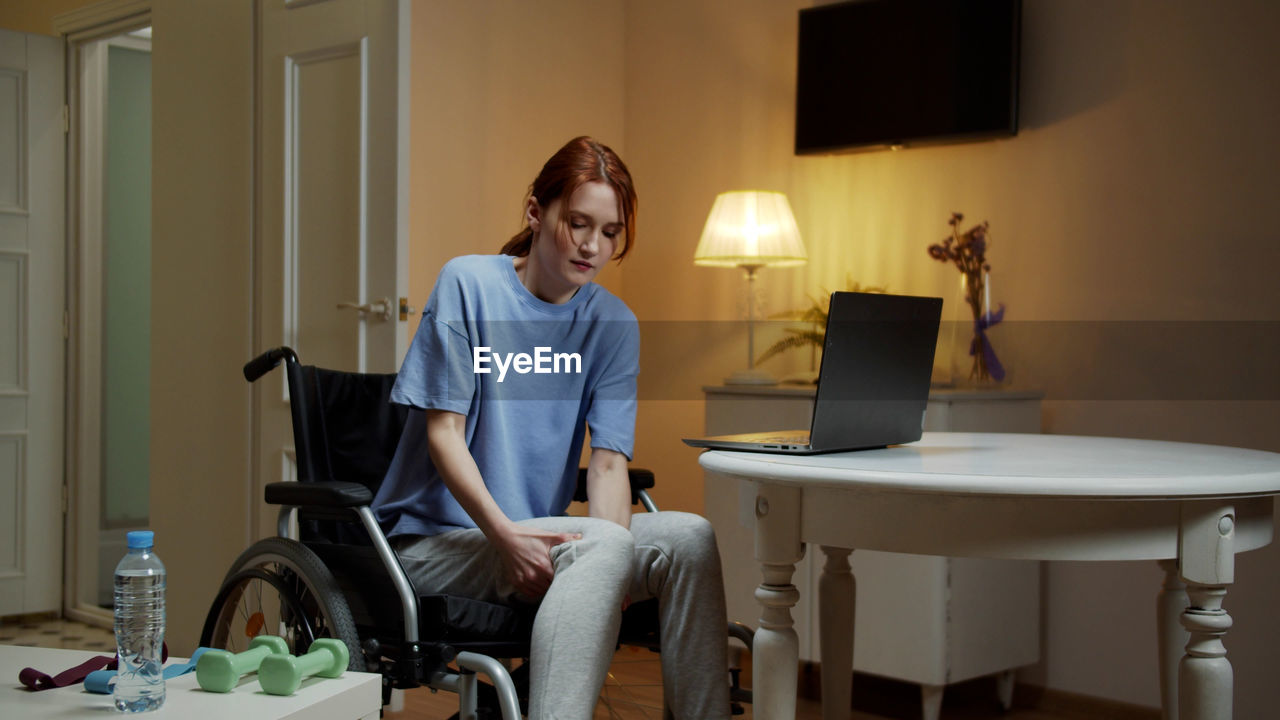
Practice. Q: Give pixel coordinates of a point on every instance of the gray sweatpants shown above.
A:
(668, 555)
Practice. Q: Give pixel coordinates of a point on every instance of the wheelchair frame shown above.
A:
(412, 663)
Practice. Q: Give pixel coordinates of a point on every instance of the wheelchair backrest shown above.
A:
(344, 428)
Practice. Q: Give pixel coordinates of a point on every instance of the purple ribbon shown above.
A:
(984, 321)
(36, 680)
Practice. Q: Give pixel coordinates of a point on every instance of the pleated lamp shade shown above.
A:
(750, 228)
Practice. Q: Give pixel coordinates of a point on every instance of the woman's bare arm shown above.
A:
(608, 487)
(525, 551)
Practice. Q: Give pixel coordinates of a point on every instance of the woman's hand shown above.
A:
(526, 557)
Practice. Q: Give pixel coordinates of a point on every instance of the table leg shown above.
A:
(775, 650)
(1170, 637)
(1206, 555)
(931, 701)
(1205, 677)
(1005, 683)
(837, 605)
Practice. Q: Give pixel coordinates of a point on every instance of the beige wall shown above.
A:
(201, 293)
(1137, 189)
(499, 85)
(708, 110)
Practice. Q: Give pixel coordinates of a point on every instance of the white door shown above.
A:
(32, 299)
(332, 79)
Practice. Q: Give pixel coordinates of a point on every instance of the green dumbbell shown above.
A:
(282, 674)
(220, 671)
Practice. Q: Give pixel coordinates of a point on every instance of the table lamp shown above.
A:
(750, 229)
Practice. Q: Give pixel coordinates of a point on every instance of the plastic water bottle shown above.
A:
(139, 615)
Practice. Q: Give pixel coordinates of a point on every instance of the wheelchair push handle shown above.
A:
(267, 361)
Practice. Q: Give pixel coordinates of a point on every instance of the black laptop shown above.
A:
(874, 382)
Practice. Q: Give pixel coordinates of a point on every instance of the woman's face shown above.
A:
(564, 259)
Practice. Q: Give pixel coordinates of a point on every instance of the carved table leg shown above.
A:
(1170, 637)
(837, 598)
(1204, 677)
(1206, 554)
(775, 650)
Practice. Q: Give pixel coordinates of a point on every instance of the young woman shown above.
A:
(517, 357)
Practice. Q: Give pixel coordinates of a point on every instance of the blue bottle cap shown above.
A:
(141, 539)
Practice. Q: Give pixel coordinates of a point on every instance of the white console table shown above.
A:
(922, 619)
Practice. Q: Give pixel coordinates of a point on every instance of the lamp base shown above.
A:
(751, 377)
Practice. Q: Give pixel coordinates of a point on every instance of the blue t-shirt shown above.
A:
(530, 377)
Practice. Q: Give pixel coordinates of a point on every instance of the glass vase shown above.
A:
(975, 362)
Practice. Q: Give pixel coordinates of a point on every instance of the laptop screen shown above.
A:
(877, 360)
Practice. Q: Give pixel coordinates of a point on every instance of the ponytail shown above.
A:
(520, 244)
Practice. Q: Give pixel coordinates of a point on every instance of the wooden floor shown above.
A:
(634, 690)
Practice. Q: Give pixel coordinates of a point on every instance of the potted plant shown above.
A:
(813, 334)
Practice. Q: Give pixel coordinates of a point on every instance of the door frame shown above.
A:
(84, 242)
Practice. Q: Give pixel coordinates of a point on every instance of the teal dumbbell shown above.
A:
(219, 671)
(282, 674)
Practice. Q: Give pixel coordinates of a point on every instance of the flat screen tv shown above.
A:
(875, 74)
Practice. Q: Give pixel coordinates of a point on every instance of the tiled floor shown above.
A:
(56, 633)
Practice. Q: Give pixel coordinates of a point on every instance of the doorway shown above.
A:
(109, 347)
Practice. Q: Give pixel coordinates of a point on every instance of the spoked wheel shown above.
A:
(279, 587)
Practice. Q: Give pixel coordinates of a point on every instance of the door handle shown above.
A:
(381, 308)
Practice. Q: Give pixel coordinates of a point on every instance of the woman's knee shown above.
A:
(686, 535)
(603, 537)
(698, 528)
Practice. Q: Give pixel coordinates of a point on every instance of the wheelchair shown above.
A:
(339, 578)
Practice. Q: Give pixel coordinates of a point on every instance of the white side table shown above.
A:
(354, 696)
(923, 619)
(1037, 497)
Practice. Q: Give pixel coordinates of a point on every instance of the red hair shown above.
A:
(580, 161)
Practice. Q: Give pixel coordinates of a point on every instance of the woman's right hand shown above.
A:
(525, 550)
(526, 558)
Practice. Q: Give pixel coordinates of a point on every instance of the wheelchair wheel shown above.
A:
(279, 587)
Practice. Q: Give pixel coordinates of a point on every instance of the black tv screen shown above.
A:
(886, 73)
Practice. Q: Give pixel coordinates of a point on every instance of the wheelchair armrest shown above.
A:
(318, 494)
(641, 479)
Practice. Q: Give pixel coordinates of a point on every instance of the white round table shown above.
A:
(1037, 497)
